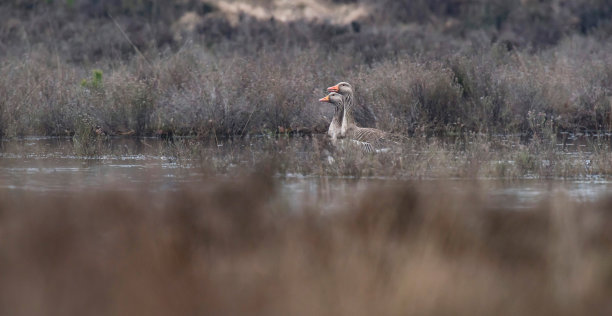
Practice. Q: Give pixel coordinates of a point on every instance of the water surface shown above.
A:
(51, 166)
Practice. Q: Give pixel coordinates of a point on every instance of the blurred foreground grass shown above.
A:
(239, 247)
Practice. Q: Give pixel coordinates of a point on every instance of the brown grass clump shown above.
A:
(239, 247)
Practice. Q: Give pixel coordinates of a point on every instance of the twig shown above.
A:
(247, 122)
(130, 41)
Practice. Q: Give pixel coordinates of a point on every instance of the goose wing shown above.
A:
(368, 134)
(373, 136)
(364, 146)
(368, 139)
(375, 140)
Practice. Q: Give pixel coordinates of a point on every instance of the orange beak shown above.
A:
(326, 99)
(333, 89)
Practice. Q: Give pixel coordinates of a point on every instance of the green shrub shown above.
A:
(95, 82)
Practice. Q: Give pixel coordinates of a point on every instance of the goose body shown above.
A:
(368, 138)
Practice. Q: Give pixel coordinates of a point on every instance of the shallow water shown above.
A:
(50, 166)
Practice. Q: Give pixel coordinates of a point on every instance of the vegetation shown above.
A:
(193, 68)
(236, 247)
(516, 88)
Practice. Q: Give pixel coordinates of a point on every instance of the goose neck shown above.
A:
(348, 118)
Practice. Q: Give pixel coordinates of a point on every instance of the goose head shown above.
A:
(333, 98)
(343, 88)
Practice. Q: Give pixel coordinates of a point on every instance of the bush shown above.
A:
(464, 67)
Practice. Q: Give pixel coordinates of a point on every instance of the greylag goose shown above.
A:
(370, 137)
(336, 123)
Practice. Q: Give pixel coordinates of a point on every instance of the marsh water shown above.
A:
(52, 166)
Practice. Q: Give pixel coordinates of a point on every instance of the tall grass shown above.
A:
(193, 92)
(464, 67)
(237, 247)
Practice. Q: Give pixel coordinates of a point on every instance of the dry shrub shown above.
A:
(457, 67)
(405, 94)
(36, 97)
(236, 96)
